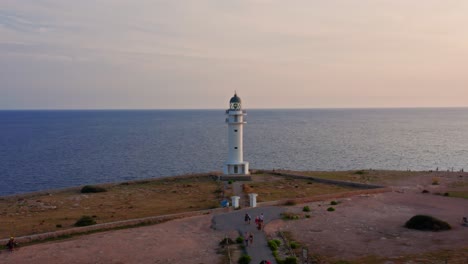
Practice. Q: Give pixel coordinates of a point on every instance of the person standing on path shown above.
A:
(251, 238)
(246, 239)
(261, 219)
(247, 218)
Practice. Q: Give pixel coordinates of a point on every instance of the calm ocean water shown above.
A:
(52, 149)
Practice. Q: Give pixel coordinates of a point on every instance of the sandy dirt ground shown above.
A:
(361, 225)
(189, 240)
(374, 224)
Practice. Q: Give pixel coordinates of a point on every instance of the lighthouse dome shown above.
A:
(235, 99)
(235, 103)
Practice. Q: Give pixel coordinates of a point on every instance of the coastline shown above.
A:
(375, 215)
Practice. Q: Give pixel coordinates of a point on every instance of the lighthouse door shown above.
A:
(235, 170)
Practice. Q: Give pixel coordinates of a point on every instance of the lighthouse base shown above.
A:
(236, 168)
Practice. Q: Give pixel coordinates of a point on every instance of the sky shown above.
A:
(193, 54)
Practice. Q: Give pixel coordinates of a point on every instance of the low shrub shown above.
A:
(58, 225)
(244, 259)
(307, 216)
(226, 241)
(230, 182)
(425, 191)
(294, 244)
(274, 244)
(276, 256)
(330, 209)
(290, 260)
(360, 172)
(333, 203)
(85, 221)
(290, 216)
(306, 209)
(92, 189)
(446, 194)
(427, 223)
(290, 202)
(240, 240)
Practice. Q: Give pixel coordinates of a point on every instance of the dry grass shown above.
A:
(365, 176)
(43, 213)
(459, 194)
(273, 188)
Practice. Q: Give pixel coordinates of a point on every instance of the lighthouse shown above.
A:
(235, 164)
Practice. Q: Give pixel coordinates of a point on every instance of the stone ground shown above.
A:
(360, 225)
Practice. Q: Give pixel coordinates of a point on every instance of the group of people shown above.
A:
(248, 239)
(258, 220)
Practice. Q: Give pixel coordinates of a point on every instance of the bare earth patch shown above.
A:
(373, 225)
(189, 240)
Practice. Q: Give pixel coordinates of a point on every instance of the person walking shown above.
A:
(247, 218)
(261, 220)
(11, 245)
(251, 239)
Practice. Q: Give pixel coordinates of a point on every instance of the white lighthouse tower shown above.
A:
(235, 165)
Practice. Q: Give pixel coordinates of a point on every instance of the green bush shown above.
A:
(290, 260)
(276, 256)
(240, 240)
(230, 182)
(289, 216)
(306, 209)
(290, 202)
(92, 189)
(307, 216)
(333, 203)
(360, 172)
(85, 221)
(244, 259)
(274, 244)
(294, 244)
(330, 209)
(427, 223)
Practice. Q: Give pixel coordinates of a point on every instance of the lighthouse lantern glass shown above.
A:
(236, 106)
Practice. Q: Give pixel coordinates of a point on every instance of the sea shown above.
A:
(49, 149)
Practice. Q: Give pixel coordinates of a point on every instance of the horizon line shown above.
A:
(222, 109)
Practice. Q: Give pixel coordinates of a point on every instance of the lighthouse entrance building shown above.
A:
(235, 164)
